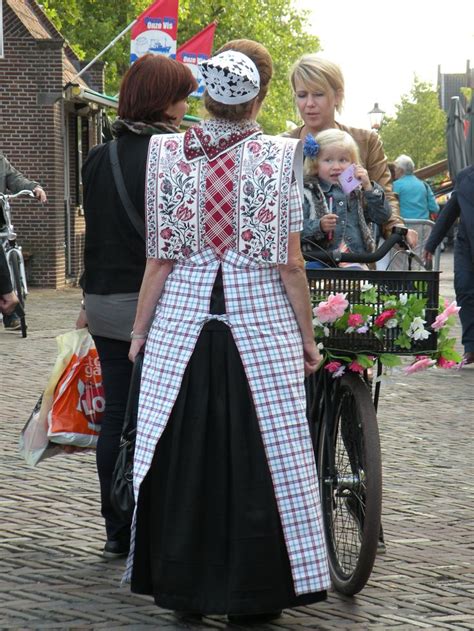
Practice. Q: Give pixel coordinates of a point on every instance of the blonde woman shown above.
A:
(318, 88)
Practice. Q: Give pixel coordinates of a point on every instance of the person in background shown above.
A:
(460, 206)
(12, 181)
(415, 196)
(8, 298)
(318, 87)
(334, 219)
(228, 517)
(152, 100)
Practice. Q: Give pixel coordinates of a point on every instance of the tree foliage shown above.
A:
(418, 128)
(89, 25)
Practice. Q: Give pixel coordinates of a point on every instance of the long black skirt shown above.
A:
(209, 538)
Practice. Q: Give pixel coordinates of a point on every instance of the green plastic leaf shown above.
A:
(390, 360)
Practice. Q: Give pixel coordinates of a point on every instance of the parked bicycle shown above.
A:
(343, 412)
(14, 255)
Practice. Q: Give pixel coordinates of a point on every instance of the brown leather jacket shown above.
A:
(373, 159)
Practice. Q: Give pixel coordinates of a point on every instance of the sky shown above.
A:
(381, 46)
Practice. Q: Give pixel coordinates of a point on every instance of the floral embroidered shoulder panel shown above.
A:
(259, 173)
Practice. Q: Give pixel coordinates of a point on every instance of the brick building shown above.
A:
(48, 121)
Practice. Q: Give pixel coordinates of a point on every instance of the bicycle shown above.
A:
(14, 255)
(342, 413)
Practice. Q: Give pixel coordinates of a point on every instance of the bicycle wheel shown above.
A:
(350, 471)
(18, 287)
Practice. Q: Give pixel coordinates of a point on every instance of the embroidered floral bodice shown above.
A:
(220, 178)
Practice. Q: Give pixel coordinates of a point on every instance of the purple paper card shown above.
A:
(348, 180)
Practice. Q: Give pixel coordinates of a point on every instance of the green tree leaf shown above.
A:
(418, 127)
(89, 25)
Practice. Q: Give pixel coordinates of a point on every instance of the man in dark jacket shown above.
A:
(460, 205)
(13, 181)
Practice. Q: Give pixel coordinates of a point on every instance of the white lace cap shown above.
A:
(230, 77)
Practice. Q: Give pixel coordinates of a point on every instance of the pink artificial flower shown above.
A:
(356, 367)
(331, 309)
(419, 365)
(452, 308)
(384, 317)
(332, 366)
(355, 320)
(441, 319)
(446, 363)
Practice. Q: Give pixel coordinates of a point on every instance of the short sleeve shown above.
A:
(295, 208)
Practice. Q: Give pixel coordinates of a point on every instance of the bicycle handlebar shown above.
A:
(13, 195)
(317, 253)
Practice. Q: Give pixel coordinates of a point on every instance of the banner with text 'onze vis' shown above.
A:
(155, 30)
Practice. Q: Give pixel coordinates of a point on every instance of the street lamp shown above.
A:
(375, 116)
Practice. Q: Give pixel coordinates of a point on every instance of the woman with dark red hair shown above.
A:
(152, 100)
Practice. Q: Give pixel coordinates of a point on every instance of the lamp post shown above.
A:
(376, 116)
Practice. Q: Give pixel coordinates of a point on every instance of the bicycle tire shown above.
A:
(18, 287)
(350, 472)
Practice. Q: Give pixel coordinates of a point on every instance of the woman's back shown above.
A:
(114, 253)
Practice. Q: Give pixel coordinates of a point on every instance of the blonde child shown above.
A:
(334, 220)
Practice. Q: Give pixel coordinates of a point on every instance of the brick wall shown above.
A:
(30, 133)
(34, 122)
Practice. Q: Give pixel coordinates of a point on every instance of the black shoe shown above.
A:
(115, 550)
(468, 358)
(188, 615)
(13, 324)
(255, 618)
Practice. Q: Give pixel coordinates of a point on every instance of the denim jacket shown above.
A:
(356, 212)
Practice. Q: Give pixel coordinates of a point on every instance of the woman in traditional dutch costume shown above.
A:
(228, 516)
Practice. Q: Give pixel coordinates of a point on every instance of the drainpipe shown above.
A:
(67, 189)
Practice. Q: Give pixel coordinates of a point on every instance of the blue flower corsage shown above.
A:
(310, 147)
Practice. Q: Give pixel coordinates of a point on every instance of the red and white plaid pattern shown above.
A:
(219, 206)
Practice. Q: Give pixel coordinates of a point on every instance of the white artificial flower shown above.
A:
(320, 346)
(366, 287)
(326, 331)
(417, 329)
(391, 324)
(403, 299)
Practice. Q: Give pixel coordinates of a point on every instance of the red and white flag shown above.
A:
(194, 50)
(156, 30)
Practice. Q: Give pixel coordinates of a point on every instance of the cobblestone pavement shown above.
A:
(53, 577)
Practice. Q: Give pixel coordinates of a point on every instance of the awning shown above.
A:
(86, 95)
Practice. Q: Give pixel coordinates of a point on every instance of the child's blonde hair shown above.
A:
(327, 138)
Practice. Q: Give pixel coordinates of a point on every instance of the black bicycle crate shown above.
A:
(422, 284)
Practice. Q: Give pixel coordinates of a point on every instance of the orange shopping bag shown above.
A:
(78, 400)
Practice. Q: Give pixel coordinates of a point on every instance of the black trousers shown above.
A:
(116, 375)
